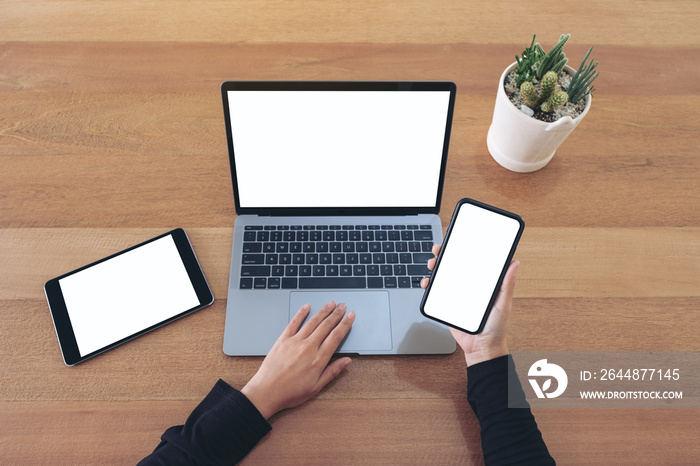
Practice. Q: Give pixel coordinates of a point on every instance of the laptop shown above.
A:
(337, 188)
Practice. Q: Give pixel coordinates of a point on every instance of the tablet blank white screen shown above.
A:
(126, 294)
(476, 250)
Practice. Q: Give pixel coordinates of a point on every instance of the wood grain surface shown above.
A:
(111, 131)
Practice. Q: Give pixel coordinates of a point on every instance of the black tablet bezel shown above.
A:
(432, 86)
(504, 269)
(59, 313)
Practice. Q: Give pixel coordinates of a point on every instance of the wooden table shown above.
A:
(111, 132)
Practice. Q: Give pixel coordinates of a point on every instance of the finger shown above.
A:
(332, 341)
(424, 282)
(310, 326)
(329, 323)
(331, 371)
(436, 249)
(298, 319)
(505, 295)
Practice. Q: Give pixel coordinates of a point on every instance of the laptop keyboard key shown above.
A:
(375, 282)
(418, 270)
(255, 271)
(422, 257)
(246, 283)
(332, 282)
(253, 259)
(273, 283)
(289, 283)
(252, 247)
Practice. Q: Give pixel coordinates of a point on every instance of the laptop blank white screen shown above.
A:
(338, 148)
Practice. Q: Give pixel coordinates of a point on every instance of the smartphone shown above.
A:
(109, 302)
(475, 255)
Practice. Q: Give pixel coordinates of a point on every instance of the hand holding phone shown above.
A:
(478, 247)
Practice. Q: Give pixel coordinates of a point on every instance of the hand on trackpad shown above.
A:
(371, 330)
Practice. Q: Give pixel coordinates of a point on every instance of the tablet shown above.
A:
(109, 302)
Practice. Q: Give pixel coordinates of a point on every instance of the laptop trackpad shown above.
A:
(371, 330)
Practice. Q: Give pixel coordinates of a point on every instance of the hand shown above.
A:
(296, 368)
(491, 342)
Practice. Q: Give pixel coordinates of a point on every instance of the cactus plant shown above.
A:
(546, 67)
(535, 63)
(557, 100)
(546, 98)
(580, 85)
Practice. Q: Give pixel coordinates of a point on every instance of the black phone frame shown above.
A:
(504, 269)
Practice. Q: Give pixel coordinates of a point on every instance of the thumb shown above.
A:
(331, 371)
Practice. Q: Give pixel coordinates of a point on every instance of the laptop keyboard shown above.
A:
(335, 256)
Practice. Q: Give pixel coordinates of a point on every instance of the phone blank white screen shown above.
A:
(474, 256)
(338, 148)
(126, 294)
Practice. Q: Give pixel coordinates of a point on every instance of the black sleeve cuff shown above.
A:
(508, 435)
(222, 429)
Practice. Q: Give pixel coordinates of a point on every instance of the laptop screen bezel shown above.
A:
(439, 86)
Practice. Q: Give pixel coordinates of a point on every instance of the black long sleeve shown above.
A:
(222, 429)
(508, 435)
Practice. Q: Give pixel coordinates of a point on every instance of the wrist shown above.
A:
(487, 354)
(254, 396)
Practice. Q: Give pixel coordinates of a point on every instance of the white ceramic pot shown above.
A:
(520, 142)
